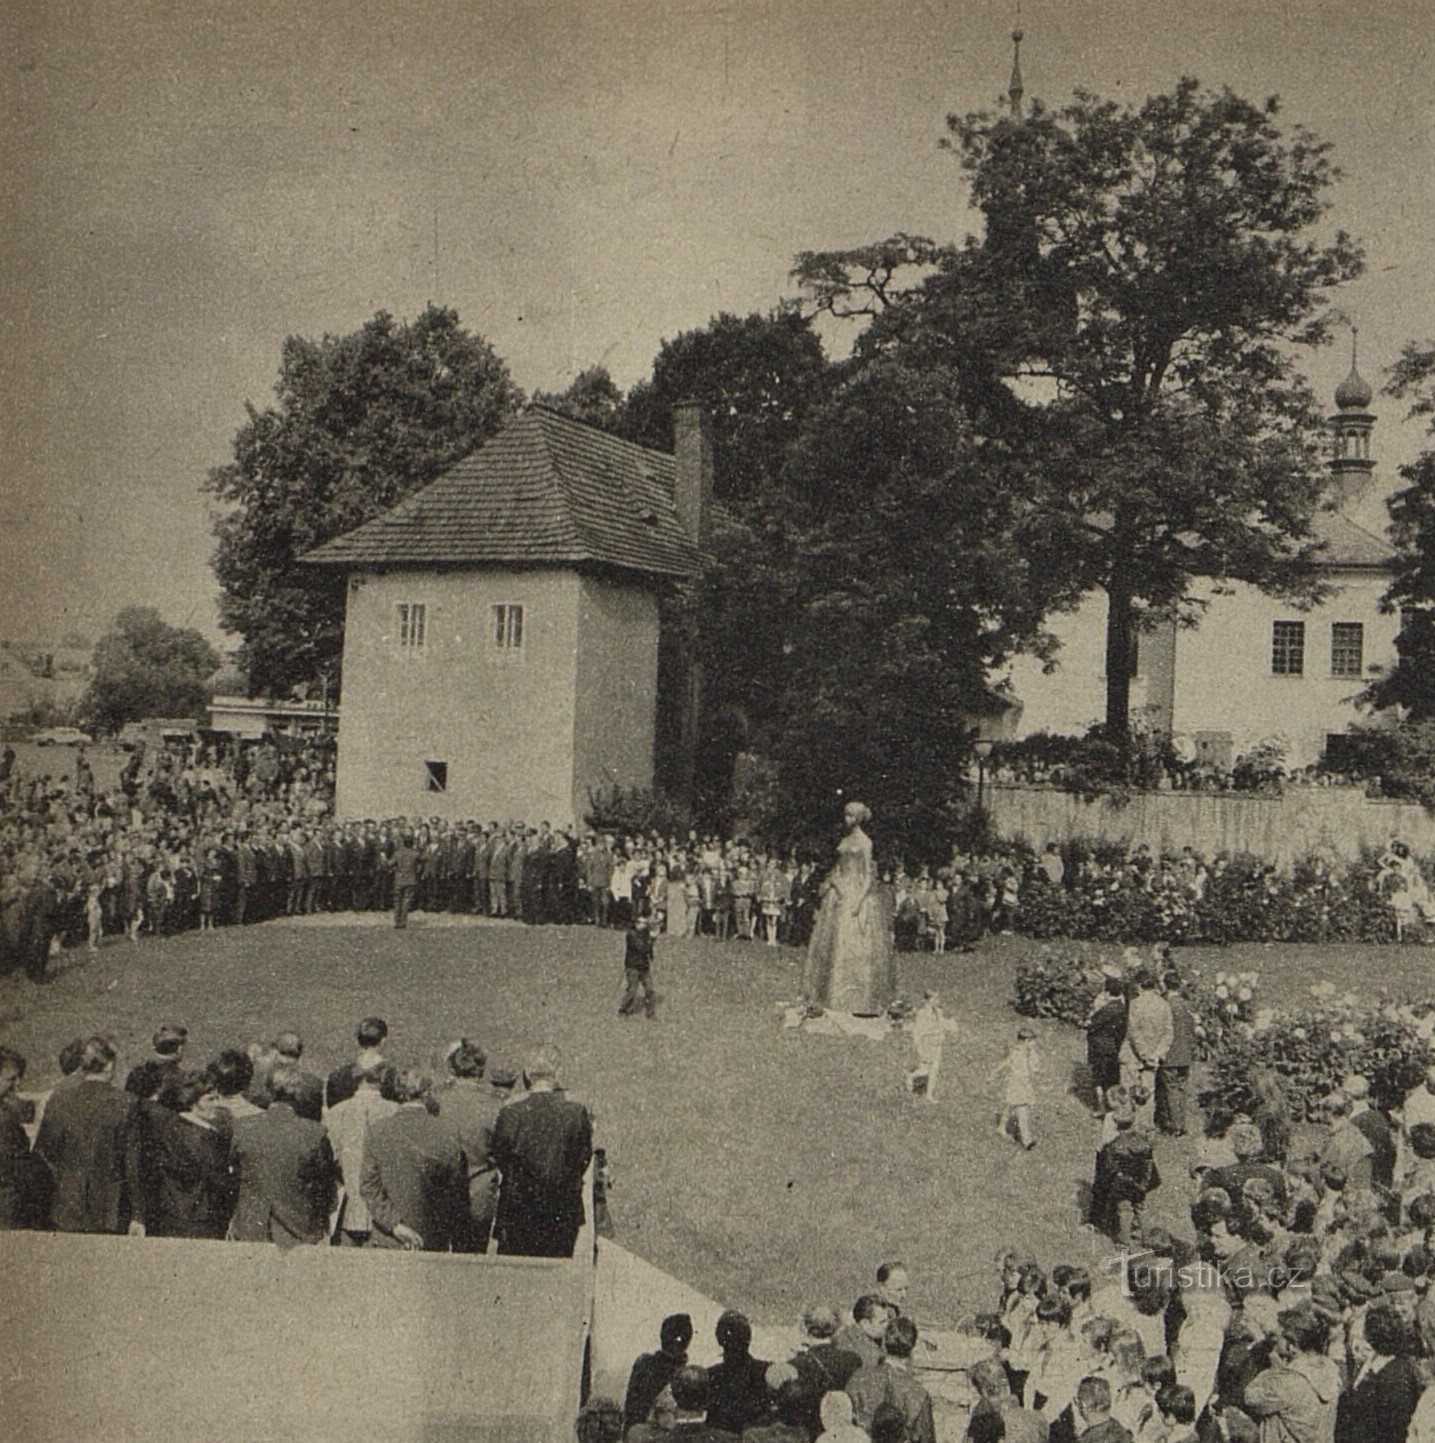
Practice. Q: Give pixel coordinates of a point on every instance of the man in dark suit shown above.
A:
(24, 1182)
(90, 1139)
(288, 1178)
(542, 1145)
(406, 878)
(146, 1079)
(343, 1081)
(413, 1180)
(652, 1372)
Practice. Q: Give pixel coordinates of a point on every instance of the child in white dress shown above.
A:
(1022, 1066)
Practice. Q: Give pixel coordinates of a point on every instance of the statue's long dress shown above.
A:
(850, 967)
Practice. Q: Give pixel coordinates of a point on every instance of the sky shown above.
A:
(186, 182)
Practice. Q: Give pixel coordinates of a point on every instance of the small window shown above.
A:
(436, 779)
(1347, 648)
(508, 627)
(1288, 648)
(413, 625)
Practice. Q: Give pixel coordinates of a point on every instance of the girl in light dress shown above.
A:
(1022, 1067)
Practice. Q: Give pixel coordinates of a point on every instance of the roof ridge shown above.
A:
(555, 477)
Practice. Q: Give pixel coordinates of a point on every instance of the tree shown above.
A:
(913, 565)
(145, 667)
(1126, 321)
(758, 376)
(361, 421)
(1411, 682)
(592, 396)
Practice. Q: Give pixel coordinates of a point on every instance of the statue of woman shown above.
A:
(849, 966)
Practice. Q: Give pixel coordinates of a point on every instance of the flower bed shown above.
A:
(1311, 1049)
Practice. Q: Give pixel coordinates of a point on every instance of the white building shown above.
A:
(1256, 669)
(502, 630)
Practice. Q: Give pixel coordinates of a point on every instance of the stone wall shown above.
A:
(1336, 820)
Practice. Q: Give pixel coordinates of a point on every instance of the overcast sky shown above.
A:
(188, 181)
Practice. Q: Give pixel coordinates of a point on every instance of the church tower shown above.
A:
(1351, 426)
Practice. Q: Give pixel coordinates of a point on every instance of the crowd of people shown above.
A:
(1296, 1307)
(254, 1147)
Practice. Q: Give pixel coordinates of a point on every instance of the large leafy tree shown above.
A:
(359, 422)
(145, 667)
(1128, 319)
(1411, 683)
(591, 396)
(758, 375)
(914, 563)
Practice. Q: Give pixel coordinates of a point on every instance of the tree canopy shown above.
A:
(1127, 322)
(360, 421)
(145, 667)
(1411, 683)
(758, 376)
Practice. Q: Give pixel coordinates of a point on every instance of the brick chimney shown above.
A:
(693, 462)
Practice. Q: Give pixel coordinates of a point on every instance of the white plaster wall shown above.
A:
(503, 724)
(1071, 698)
(1224, 680)
(618, 629)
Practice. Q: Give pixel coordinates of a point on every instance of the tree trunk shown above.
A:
(1118, 661)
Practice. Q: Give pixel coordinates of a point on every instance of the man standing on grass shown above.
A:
(638, 967)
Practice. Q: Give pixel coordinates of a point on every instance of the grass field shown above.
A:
(763, 1166)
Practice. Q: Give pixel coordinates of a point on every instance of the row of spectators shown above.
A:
(256, 1148)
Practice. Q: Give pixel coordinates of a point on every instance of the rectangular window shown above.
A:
(412, 625)
(508, 627)
(1288, 648)
(1347, 648)
(436, 779)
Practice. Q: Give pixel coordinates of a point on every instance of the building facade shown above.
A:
(502, 626)
(1256, 670)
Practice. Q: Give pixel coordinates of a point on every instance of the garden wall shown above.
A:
(1336, 820)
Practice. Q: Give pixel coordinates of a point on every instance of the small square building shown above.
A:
(503, 626)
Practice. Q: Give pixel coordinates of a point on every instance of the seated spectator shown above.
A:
(838, 1423)
(652, 1372)
(893, 1381)
(413, 1177)
(687, 1424)
(994, 1398)
(822, 1364)
(887, 1425)
(286, 1172)
(90, 1140)
(737, 1387)
(1295, 1397)
(794, 1404)
(1381, 1400)
(1177, 1404)
(1093, 1413)
(599, 1421)
(347, 1124)
(288, 1048)
(863, 1335)
(371, 1035)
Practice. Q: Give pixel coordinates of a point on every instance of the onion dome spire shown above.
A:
(1354, 393)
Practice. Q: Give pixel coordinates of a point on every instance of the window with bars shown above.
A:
(412, 625)
(1347, 648)
(1288, 648)
(508, 628)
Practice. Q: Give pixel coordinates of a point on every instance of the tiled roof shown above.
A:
(545, 490)
(1347, 543)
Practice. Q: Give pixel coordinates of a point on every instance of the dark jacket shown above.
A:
(190, 1188)
(542, 1144)
(24, 1179)
(652, 1372)
(737, 1394)
(287, 1178)
(90, 1139)
(414, 1174)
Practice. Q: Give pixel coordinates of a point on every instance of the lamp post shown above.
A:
(983, 748)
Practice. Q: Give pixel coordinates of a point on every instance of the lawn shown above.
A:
(763, 1166)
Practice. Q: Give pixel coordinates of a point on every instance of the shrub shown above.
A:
(1058, 984)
